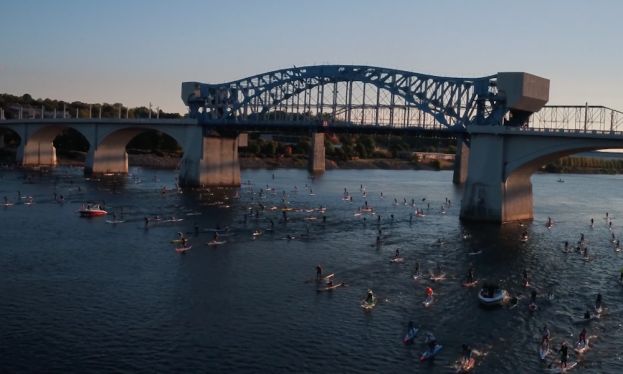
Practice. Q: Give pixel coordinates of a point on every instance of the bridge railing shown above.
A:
(577, 119)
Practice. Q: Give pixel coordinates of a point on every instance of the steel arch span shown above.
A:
(352, 95)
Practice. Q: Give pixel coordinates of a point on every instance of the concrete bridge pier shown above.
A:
(33, 152)
(106, 158)
(490, 194)
(461, 161)
(210, 160)
(316, 161)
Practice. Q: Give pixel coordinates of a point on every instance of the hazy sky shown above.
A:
(139, 51)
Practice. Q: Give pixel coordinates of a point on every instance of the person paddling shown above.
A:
(318, 272)
(564, 354)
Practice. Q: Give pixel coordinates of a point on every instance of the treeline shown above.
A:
(345, 147)
(11, 104)
(584, 164)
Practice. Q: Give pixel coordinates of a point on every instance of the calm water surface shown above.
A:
(83, 295)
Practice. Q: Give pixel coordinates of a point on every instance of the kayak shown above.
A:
(410, 335)
(183, 249)
(369, 305)
(330, 288)
(115, 221)
(466, 366)
(426, 355)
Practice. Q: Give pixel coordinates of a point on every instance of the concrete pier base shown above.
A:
(461, 161)
(316, 164)
(37, 153)
(217, 164)
(106, 159)
(490, 195)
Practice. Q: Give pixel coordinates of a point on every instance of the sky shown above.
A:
(139, 51)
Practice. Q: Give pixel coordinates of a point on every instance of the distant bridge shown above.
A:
(504, 132)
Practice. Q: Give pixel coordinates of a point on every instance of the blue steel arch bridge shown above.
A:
(361, 97)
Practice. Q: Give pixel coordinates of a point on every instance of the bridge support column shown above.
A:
(36, 153)
(316, 162)
(461, 161)
(490, 195)
(106, 159)
(211, 161)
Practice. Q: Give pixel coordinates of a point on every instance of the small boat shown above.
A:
(183, 250)
(410, 335)
(429, 355)
(92, 211)
(491, 295)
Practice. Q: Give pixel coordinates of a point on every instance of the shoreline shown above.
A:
(172, 161)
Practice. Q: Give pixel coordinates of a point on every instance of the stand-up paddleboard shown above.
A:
(427, 355)
(115, 221)
(365, 305)
(428, 301)
(330, 288)
(544, 351)
(475, 253)
(581, 348)
(470, 284)
(558, 369)
(419, 276)
(466, 366)
(397, 259)
(183, 249)
(410, 335)
(216, 242)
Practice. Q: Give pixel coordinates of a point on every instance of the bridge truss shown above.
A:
(347, 95)
(577, 118)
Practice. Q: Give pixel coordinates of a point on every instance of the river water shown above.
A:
(83, 295)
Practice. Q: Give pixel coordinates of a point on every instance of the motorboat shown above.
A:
(92, 210)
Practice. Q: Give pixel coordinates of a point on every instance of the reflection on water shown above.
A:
(86, 295)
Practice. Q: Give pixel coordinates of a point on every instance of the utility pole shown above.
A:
(100, 111)
(90, 111)
(150, 110)
(158, 112)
